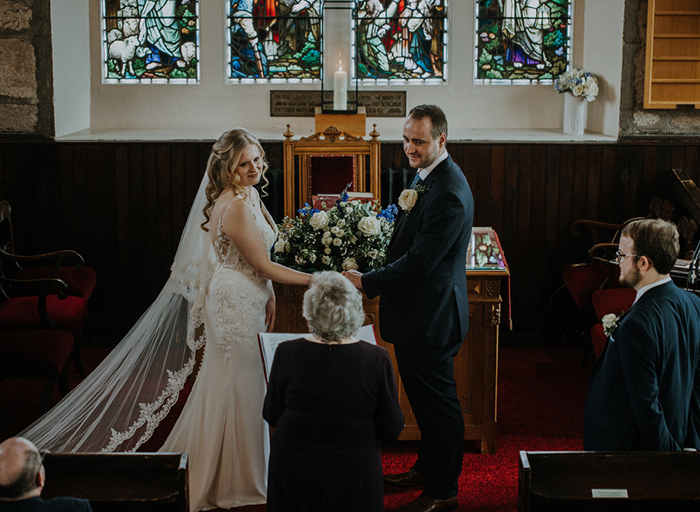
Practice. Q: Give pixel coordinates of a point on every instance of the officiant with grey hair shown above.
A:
(332, 400)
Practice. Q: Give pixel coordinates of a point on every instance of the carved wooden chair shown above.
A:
(67, 265)
(36, 335)
(599, 271)
(327, 162)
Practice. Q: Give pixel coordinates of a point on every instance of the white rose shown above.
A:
(337, 242)
(327, 250)
(350, 264)
(340, 223)
(609, 321)
(370, 226)
(280, 245)
(407, 199)
(335, 230)
(578, 90)
(319, 220)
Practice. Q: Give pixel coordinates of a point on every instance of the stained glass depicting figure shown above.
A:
(401, 39)
(522, 40)
(275, 39)
(151, 41)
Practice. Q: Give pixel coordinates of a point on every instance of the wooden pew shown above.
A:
(133, 482)
(570, 481)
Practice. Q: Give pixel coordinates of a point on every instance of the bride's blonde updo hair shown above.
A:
(221, 167)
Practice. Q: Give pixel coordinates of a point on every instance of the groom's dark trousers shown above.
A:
(424, 312)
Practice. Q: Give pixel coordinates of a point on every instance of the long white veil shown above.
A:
(119, 405)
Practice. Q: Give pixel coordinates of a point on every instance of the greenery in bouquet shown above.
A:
(578, 82)
(349, 235)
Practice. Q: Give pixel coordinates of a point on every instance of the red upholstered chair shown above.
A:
(614, 300)
(37, 354)
(67, 265)
(39, 304)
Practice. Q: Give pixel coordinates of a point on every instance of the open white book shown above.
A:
(268, 342)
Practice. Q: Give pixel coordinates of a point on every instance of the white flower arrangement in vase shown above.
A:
(578, 82)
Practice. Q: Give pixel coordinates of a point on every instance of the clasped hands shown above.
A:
(354, 277)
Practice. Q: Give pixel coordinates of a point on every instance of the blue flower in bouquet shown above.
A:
(389, 213)
(350, 235)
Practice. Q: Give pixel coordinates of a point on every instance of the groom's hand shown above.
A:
(355, 278)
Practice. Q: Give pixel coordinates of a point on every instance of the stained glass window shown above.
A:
(150, 41)
(275, 39)
(522, 41)
(401, 39)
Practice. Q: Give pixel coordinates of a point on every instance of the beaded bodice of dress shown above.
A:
(226, 253)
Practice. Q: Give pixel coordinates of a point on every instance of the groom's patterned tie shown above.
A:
(416, 180)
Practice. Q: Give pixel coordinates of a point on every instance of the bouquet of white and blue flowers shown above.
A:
(578, 82)
(351, 235)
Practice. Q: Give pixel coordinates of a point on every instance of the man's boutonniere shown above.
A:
(610, 322)
(409, 197)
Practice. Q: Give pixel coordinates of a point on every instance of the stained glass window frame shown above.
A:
(478, 34)
(268, 80)
(368, 81)
(106, 42)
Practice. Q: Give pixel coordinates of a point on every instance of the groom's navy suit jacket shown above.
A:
(423, 286)
(644, 390)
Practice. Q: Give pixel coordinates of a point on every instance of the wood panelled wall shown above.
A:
(123, 205)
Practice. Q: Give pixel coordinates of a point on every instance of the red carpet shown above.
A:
(541, 394)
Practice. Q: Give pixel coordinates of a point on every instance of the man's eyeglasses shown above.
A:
(619, 256)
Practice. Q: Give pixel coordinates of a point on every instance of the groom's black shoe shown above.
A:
(410, 478)
(424, 503)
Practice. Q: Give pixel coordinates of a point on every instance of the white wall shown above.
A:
(70, 29)
(204, 111)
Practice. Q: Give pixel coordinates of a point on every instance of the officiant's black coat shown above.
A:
(424, 312)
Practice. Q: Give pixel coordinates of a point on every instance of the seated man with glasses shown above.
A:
(22, 479)
(644, 390)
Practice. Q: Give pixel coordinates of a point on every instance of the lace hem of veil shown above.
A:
(153, 413)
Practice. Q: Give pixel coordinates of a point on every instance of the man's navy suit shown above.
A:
(424, 312)
(644, 390)
(53, 505)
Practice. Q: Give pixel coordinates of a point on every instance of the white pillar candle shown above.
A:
(340, 89)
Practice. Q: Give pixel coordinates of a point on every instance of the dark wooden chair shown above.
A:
(134, 482)
(40, 305)
(599, 270)
(37, 354)
(608, 481)
(67, 265)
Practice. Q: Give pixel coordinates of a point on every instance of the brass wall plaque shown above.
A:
(304, 103)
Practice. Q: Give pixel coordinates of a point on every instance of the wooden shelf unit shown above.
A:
(672, 73)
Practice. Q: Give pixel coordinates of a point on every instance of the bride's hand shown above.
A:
(270, 309)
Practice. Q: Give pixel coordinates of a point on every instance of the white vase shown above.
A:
(575, 114)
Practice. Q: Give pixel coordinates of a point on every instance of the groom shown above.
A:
(424, 310)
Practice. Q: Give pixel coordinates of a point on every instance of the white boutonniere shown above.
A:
(610, 323)
(409, 197)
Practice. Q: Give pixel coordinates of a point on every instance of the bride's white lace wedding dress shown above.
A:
(221, 426)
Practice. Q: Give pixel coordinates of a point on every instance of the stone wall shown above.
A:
(635, 120)
(26, 73)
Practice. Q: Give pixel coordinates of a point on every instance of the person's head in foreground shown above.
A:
(333, 307)
(21, 470)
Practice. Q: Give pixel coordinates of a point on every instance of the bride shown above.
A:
(219, 297)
